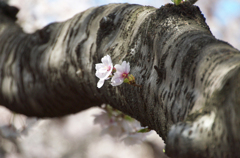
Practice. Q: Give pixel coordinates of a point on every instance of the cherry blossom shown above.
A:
(121, 73)
(136, 138)
(104, 70)
(121, 126)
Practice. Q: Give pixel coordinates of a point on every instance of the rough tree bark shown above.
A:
(190, 89)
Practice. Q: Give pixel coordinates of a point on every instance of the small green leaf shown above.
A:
(144, 130)
(176, 2)
(126, 80)
(128, 118)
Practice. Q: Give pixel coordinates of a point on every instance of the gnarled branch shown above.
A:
(189, 79)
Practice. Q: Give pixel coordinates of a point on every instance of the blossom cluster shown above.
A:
(121, 126)
(118, 73)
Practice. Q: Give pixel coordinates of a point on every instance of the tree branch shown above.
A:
(188, 78)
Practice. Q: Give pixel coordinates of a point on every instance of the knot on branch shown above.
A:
(44, 34)
(106, 26)
(9, 11)
(184, 10)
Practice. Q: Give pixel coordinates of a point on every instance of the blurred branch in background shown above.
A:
(70, 137)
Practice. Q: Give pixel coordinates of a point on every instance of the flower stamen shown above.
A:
(125, 75)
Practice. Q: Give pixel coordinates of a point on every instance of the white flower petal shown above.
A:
(109, 60)
(103, 70)
(123, 68)
(101, 75)
(118, 68)
(124, 64)
(113, 130)
(116, 81)
(100, 83)
(106, 60)
(99, 66)
(102, 119)
(118, 74)
(135, 138)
